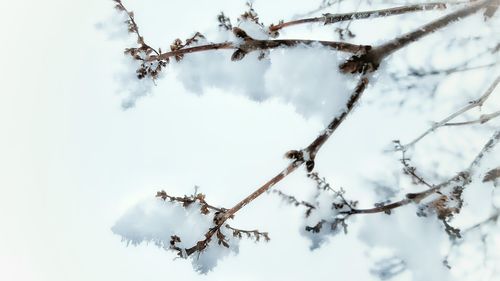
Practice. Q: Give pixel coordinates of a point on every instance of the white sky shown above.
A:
(71, 160)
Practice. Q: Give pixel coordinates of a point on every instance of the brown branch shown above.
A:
(370, 61)
(308, 154)
(492, 175)
(249, 233)
(411, 170)
(314, 147)
(251, 45)
(365, 60)
(400, 42)
(380, 209)
(289, 169)
(333, 18)
(410, 198)
(132, 26)
(463, 176)
(297, 162)
(188, 200)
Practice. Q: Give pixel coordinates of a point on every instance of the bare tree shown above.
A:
(442, 200)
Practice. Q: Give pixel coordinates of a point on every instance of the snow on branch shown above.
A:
(333, 18)
(177, 223)
(195, 229)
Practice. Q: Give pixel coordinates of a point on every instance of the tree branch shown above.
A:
(463, 176)
(133, 27)
(482, 119)
(297, 162)
(371, 60)
(333, 18)
(365, 59)
(476, 103)
(251, 44)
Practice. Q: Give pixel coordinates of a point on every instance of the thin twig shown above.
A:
(400, 42)
(333, 18)
(296, 163)
(312, 149)
(293, 200)
(363, 55)
(187, 200)
(133, 27)
(255, 233)
(255, 45)
(491, 218)
(452, 70)
(476, 103)
(371, 60)
(482, 119)
(463, 176)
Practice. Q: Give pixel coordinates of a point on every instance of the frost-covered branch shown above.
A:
(308, 154)
(250, 44)
(371, 60)
(443, 199)
(463, 177)
(133, 27)
(298, 158)
(255, 234)
(206, 231)
(188, 200)
(482, 119)
(445, 122)
(451, 70)
(290, 199)
(333, 18)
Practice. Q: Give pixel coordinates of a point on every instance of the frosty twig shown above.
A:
(333, 18)
(476, 103)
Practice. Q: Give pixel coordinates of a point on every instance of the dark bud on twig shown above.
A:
(238, 55)
(492, 175)
(412, 196)
(262, 55)
(240, 33)
(174, 239)
(309, 165)
(358, 64)
(273, 34)
(316, 228)
(224, 22)
(294, 154)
